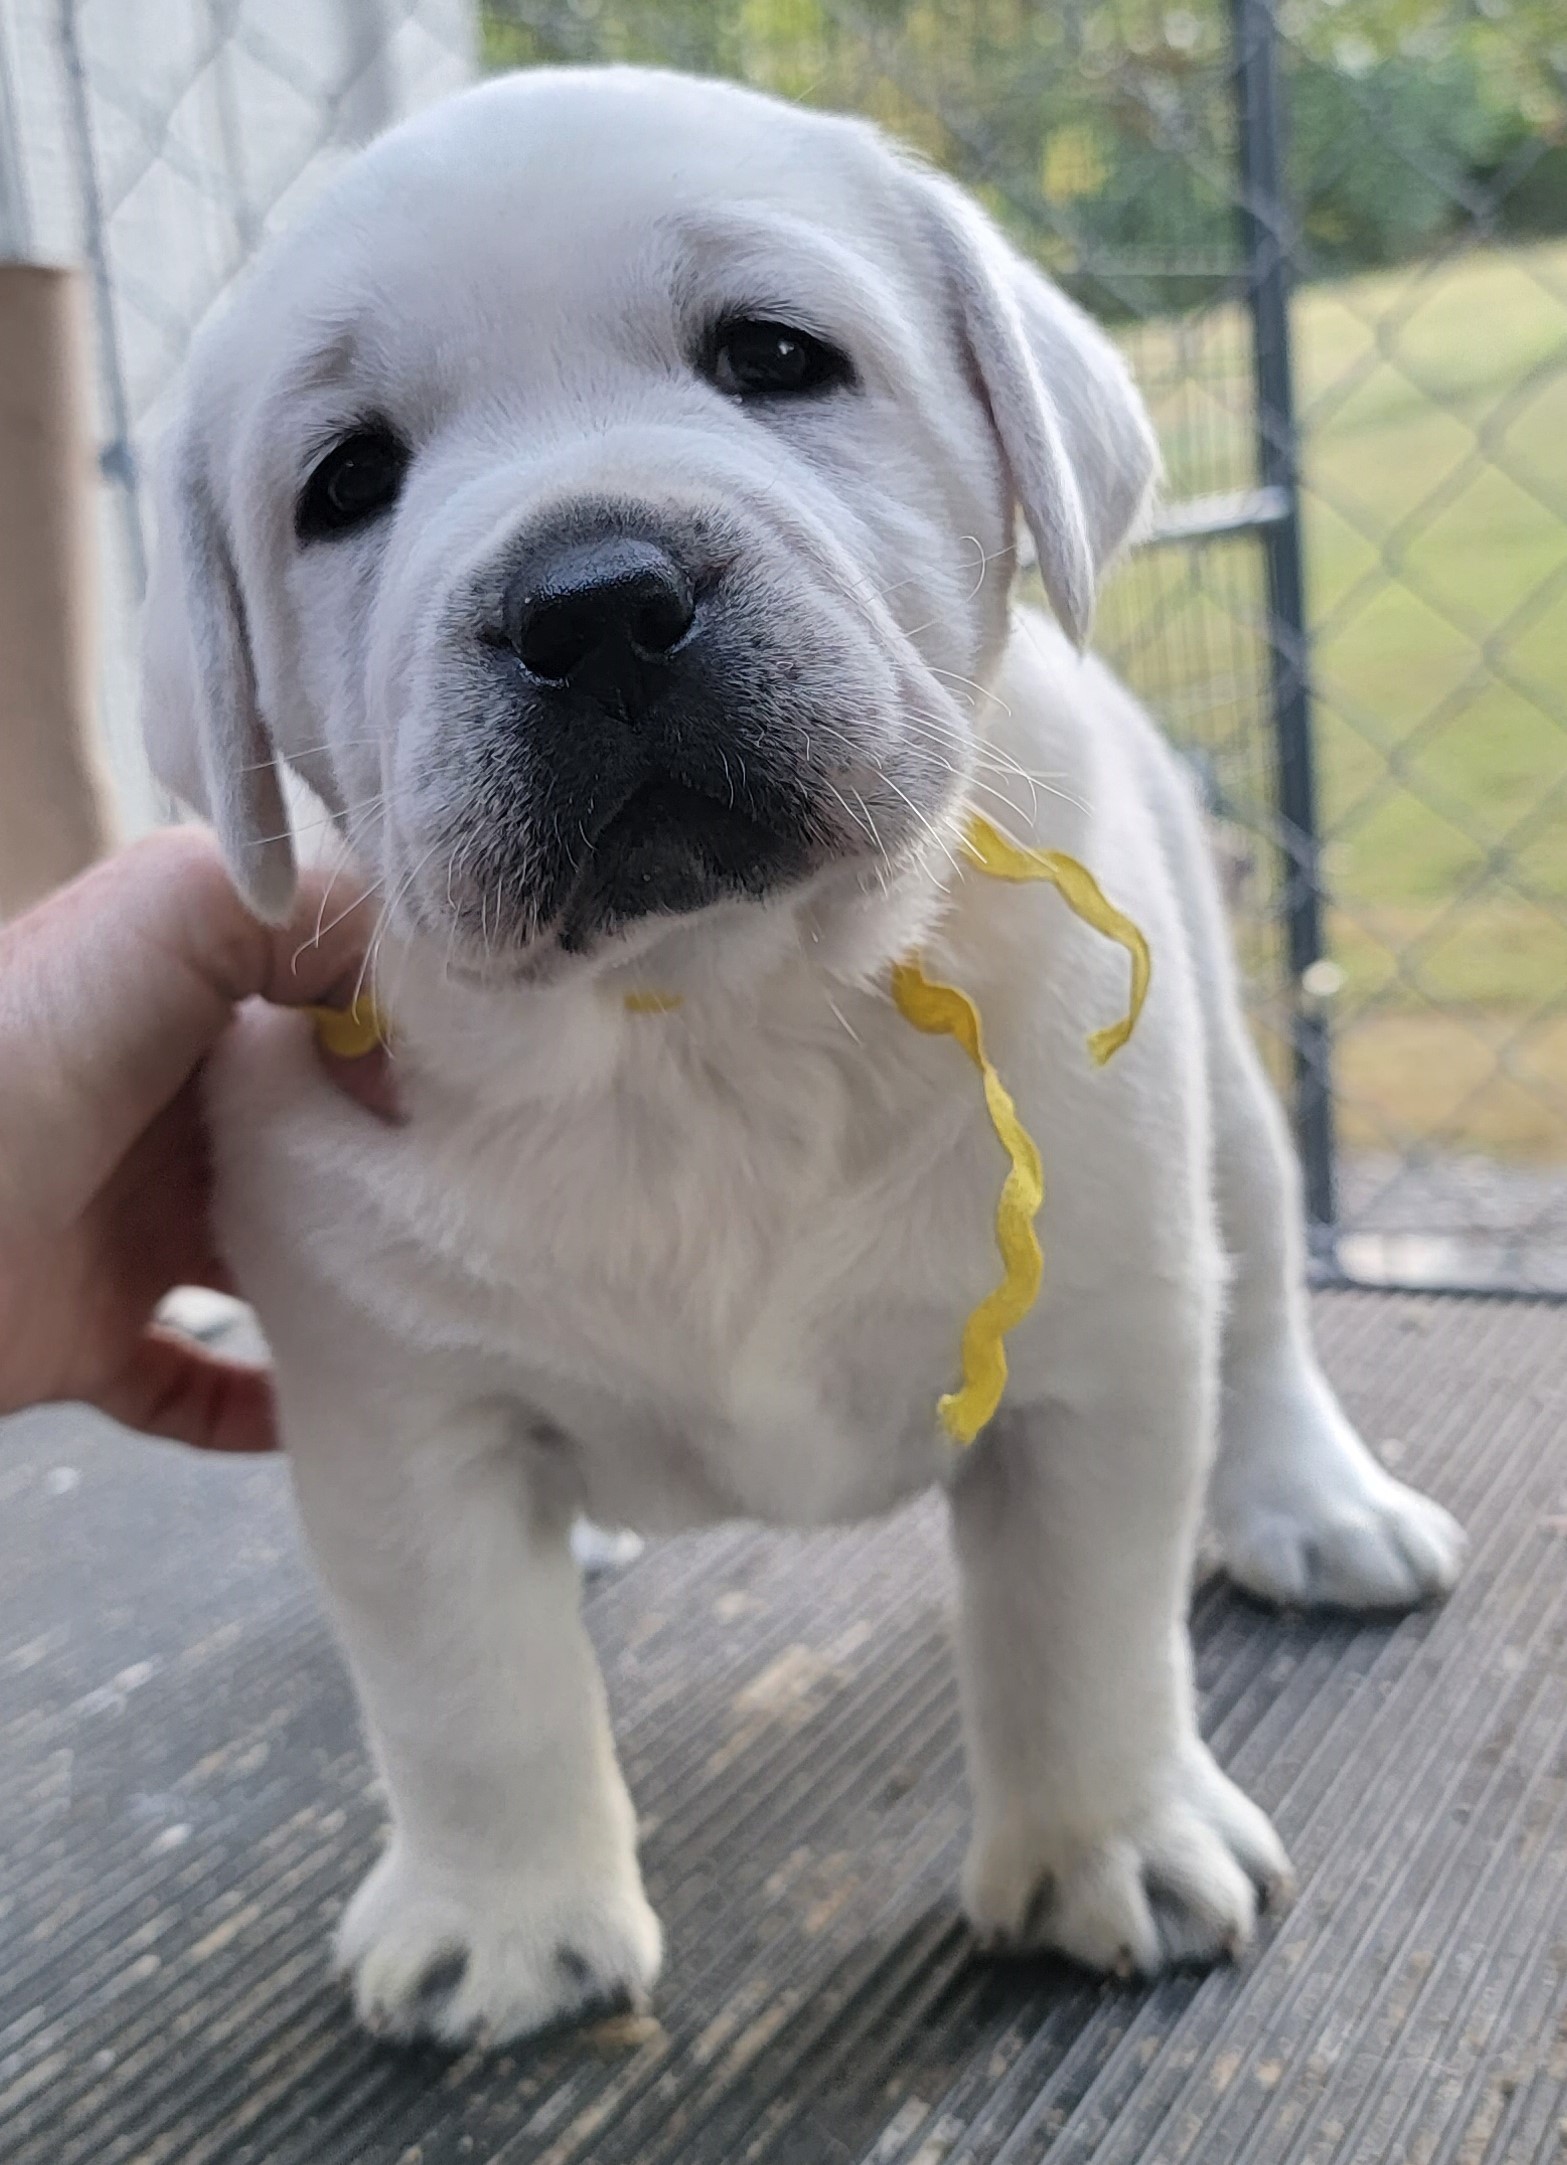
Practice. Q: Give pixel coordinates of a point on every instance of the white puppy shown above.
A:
(605, 502)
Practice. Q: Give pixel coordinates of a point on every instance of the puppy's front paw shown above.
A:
(1346, 1537)
(481, 1961)
(1178, 1882)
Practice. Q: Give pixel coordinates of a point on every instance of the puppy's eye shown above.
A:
(755, 358)
(357, 479)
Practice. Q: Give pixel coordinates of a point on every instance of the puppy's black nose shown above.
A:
(598, 615)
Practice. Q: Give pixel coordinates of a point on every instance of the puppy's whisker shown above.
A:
(1009, 769)
(451, 912)
(316, 937)
(995, 556)
(367, 967)
(858, 820)
(322, 927)
(844, 1020)
(973, 685)
(867, 589)
(988, 757)
(927, 729)
(984, 567)
(870, 823)
(307, 751)
(314, 826)
(988, 789)
(926, 822)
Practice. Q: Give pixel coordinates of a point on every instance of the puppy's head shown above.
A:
(605, 502)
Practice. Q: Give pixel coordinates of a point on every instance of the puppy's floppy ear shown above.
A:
(204, 730)
(1073, 429)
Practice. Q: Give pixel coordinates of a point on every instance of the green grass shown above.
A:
(1442, 711)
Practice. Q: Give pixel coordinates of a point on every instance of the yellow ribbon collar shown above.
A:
(940, 1011)
(350, 1033)
(944, 1010)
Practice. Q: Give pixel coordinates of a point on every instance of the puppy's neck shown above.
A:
(799, 967)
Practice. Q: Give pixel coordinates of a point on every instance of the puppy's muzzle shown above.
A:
(635, 677)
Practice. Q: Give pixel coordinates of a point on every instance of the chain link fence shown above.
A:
(1354, 614)
(1333, 237)
(158, 141)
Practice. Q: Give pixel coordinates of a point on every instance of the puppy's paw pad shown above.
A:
(1179, 1883)
(1385, 1547)
(481, 1964)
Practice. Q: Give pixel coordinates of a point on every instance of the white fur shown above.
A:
(668, 1268)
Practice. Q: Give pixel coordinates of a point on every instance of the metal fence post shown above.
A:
(1265, 239)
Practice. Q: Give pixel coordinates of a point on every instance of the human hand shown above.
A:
(112, 993)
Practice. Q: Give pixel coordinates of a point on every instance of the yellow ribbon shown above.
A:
(940, 1011)
(943, 1010)
(350, 1033)
(989, 849)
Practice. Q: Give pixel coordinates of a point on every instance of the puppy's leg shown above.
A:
(1103, 1826)
(508, 1896)
(1303, 1512)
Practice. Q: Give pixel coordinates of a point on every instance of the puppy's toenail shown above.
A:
(1278, 1891)
(440, 1980)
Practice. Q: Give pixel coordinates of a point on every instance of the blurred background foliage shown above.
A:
(1103, 127)
(1425, 147)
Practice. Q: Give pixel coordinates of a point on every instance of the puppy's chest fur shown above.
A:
(722, 1257)
(733, 1275)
